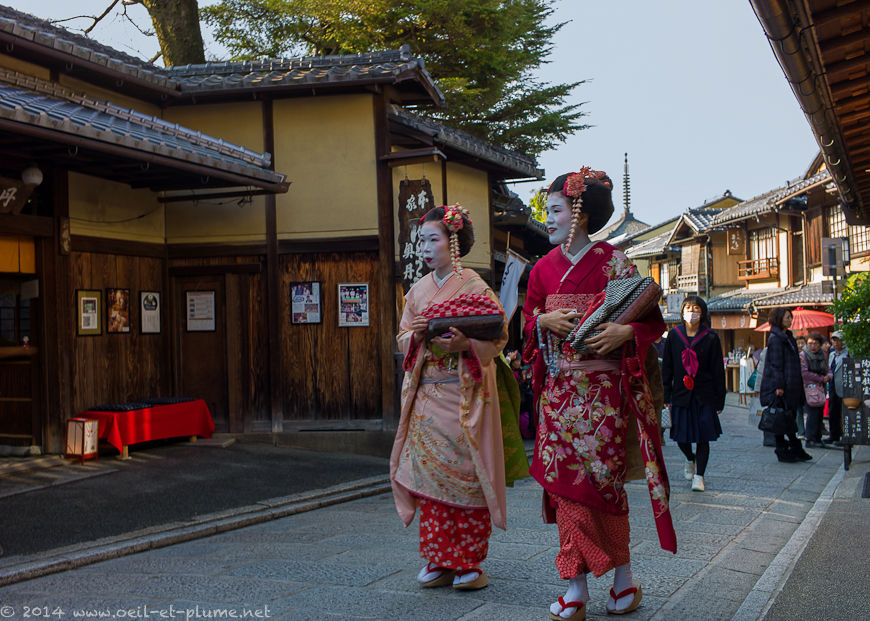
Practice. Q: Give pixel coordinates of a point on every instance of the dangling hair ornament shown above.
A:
(575, 185)
(454, 219)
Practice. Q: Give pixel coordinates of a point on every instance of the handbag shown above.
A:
(665, 422)
(480, 327)
(777, 420)
(815, 395)
(751, 381)
(474, 314)
(623, 301)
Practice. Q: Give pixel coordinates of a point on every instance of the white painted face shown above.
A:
(558, 218)
(434, 245)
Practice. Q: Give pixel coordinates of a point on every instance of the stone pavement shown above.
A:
(355, 561)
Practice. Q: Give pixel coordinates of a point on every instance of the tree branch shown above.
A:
(97, 19)
(147, 33)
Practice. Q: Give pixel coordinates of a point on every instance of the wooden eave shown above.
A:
(823, 47)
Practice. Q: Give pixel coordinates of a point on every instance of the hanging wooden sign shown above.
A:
(736, 242)
(415, 199)
(13, 194)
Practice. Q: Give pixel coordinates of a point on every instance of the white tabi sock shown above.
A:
(577, 592)
(622, 580)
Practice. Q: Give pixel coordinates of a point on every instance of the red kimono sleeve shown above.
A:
(535, 299)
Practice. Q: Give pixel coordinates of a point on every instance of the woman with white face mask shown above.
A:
(694, 379)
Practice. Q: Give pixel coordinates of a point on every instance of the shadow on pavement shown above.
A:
(162, 482)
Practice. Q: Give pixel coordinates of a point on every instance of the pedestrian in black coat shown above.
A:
(694, 384)
(782, 384)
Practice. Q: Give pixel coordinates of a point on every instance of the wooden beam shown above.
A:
(424, 155)
(333, 244)
(37, 226)
(106, 245)
(210, 270)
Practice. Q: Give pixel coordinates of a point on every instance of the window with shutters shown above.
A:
(859, 236)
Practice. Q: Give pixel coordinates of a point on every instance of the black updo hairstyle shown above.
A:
(465, 235)
(694, 299)
(597, 200)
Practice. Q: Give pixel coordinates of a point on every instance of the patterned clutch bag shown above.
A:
(479, 327)
(624, 301)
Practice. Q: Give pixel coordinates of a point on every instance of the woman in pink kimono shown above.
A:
(448, 454)
(595, 407)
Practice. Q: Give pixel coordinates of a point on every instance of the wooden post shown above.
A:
(386, 308)
(56, 323)
(273, 283)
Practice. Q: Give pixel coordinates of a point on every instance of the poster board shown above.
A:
(305, 304)
(353, 304)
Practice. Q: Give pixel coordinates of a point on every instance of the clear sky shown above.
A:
(689, 89)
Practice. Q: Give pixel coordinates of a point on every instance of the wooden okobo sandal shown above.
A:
(635, 602)
(478, 583)
(579, 614)
(445, 578)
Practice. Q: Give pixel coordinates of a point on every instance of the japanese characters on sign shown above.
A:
(736, 242)
(856, 383)
(415, 199)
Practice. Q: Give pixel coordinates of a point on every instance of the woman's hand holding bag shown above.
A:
(777, 420)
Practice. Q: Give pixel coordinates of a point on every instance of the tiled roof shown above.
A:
(649, 247)
(810, 294)
(701, 219)
(466, 143)
(625, 226)
(767, 202)
(738, 299)
(393, 65)
(33, 102)
(45, 34)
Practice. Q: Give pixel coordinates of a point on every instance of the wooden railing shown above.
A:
(690, 283)
(757, 269)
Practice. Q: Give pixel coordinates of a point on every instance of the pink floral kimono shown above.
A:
(448, 455)
(590, 409)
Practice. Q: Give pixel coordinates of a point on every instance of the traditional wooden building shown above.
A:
(278, 307)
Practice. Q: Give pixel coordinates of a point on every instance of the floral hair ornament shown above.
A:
(575, 184)
(454, 220)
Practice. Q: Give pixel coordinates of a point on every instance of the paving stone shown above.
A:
(355, 603)
(313, 572)
(745, 561)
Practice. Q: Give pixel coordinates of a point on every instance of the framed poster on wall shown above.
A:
(305, 302)
(149, 312)
(199, 309)
(117, 311)
(353, 304)
(89, 309)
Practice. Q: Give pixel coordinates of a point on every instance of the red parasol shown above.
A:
(803, 319)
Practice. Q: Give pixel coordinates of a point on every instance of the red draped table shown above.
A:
(158, 422)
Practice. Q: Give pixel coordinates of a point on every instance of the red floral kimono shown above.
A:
(588, 406)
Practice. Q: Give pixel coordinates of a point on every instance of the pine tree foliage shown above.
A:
(483, 53)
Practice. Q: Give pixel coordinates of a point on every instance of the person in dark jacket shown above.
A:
(782, 384)
(694, 382)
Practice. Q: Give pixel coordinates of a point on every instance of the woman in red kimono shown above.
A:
(448, 456)
(595, 408)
